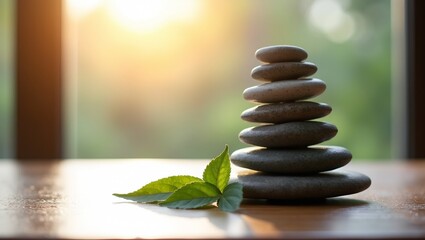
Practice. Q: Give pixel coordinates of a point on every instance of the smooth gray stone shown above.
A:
(281, 53)
(321, 185)
(283, 71)
(285, 91)
(288, 135)
(286, 112)
(313, 159)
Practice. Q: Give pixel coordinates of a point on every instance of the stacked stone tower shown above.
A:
(286, 162)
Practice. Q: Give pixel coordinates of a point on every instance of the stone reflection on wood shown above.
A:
(286, 162)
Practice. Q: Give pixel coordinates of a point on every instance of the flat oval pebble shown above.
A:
(321, 185)
(283, 71)
(286, 112)
(292, 134)
(281, 53)
(285, 91)
(313, 159)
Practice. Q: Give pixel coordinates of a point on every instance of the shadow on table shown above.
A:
(343, 217)
(219, 222)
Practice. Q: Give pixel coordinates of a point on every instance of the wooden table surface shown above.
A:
(72, 199)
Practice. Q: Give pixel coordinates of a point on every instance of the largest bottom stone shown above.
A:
(261, 185)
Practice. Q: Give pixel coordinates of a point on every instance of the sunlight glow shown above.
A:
(330, 17)
(108, 217)
(80, 8)
(151, 15)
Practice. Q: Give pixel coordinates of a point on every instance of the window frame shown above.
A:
(39, 108)
(38, 84)
(415, 75)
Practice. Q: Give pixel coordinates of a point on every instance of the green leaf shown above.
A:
(193, 195)
(231, 198)
(158, 190)
(218, 170)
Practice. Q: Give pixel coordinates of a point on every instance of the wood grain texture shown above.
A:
(72, 200)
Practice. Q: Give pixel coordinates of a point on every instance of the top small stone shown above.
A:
(281, 53)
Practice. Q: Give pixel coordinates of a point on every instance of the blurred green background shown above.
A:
(6, 77)
(164, 79)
